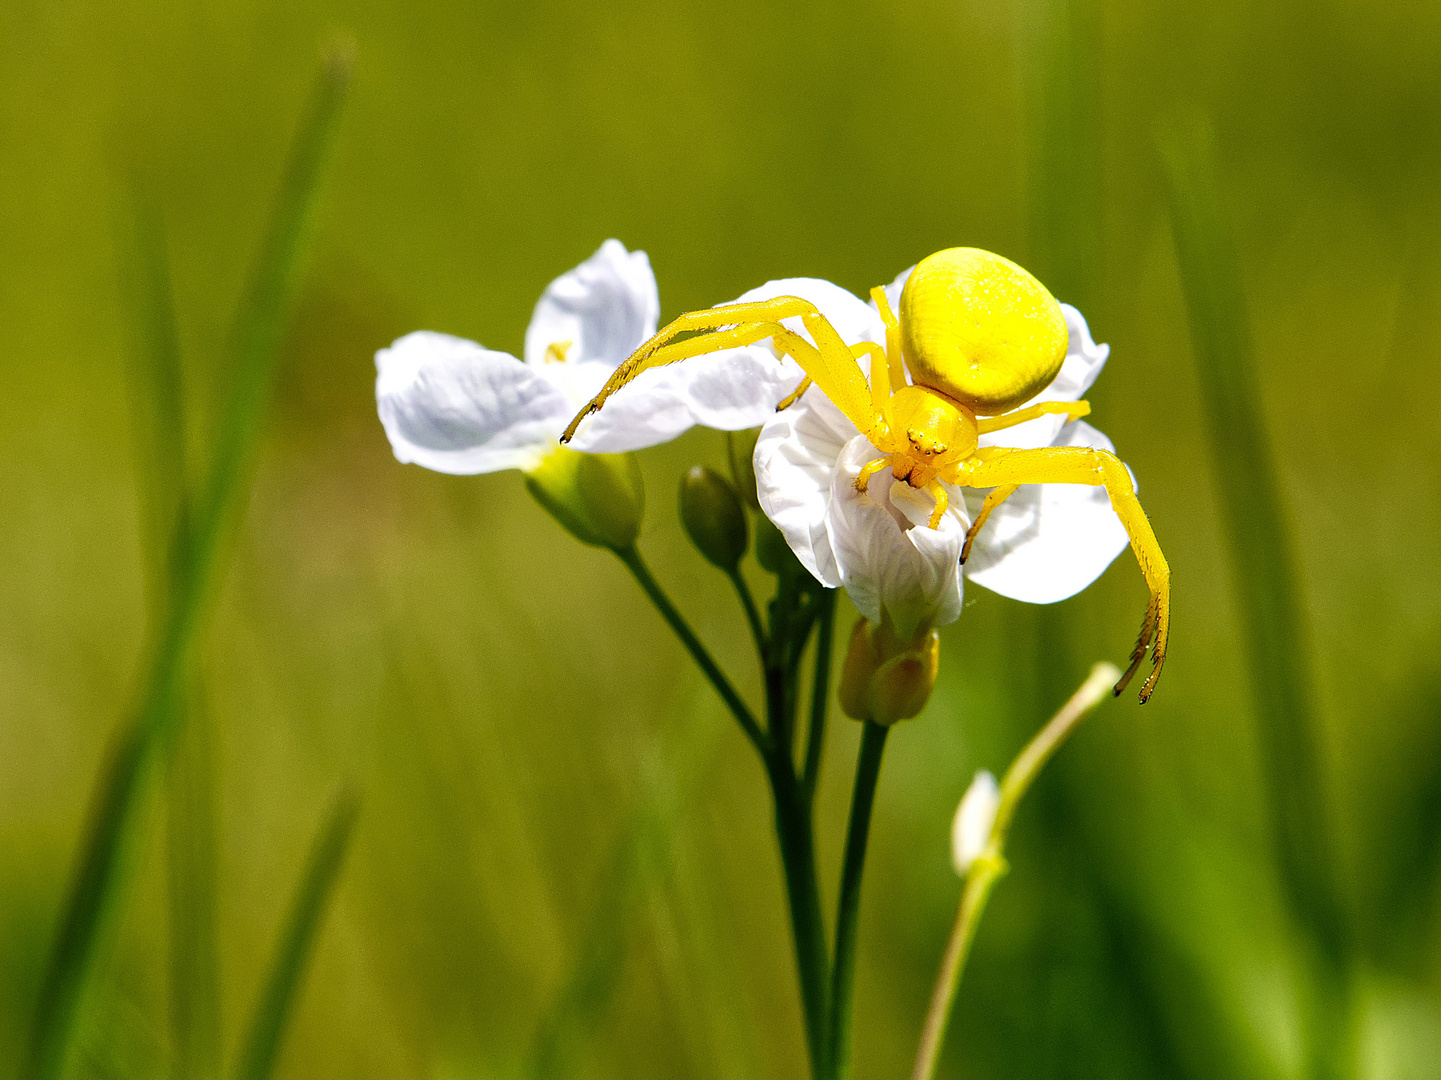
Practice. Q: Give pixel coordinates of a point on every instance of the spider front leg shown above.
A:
(1000, 468)
(828, 362)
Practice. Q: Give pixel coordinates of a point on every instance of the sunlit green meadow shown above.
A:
(562, 861)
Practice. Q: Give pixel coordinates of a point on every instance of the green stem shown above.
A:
(795, 833)
(798, 857)
(820, 694)
(753, 615)
(848, 909)
(991, 864)
(636, 565)
(795, 830)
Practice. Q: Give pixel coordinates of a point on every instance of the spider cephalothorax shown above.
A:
(978, 336)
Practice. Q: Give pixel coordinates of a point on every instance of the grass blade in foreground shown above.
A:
(257, 336)
(194, 890)
(272, 1012)
(640, 862)
(1264, 575)
(190, 804)
(990, 866)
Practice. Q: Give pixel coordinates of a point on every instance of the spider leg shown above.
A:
(869, 469)
(829, 363)
(943, 502)
(880, 391)
(993, 499)
(880, 375)
(795, 395)
(1074, 410)
(893, 337)
(1000, 467)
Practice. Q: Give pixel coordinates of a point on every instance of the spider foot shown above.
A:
(1153, 633)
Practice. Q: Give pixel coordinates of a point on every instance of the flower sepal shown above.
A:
(887, 678)
(598, 498)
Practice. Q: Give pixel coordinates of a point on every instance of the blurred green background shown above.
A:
(564, 858)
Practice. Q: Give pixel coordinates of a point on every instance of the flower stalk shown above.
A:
(990, 866)
(848, 908)
(636, 565)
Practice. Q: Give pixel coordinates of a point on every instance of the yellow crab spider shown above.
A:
(978, 336)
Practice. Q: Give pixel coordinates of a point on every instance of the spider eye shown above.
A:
(981, 330)
(933, 424)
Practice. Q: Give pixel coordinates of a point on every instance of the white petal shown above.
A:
(728, 391)
(604, 308)
(452, 406)
(795, 460)
(1048, 541)
(889, 558)
(971, 829)
(1084, 361)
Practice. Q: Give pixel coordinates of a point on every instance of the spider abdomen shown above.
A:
(980, 329)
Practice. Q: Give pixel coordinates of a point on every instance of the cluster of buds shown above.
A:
(887, 677)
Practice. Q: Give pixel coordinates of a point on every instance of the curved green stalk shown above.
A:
(990, 866)
(297, 941)
(753, 615)
(636, 565)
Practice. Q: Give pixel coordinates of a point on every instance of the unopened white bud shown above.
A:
(971, 830)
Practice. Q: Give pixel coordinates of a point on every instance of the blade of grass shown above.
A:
(257, 335)
(159, 414)
(1065, 198)
(641, 856)
(193, 891)
(160, 435)
(1264, 574)
(297, 940)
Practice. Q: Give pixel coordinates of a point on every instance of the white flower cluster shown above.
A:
(450, 405)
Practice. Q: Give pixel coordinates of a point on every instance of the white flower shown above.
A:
(971, 829)
(1045, 543)
(453, 406)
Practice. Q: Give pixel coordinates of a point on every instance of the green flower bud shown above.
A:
(884, 678)
(772, 551)
(713, 517)
(599, 498)
(741, 449)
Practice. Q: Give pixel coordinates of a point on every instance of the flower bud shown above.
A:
(599, 498)
(971, 829)
(741, 449)
(772, 551)
(885, 678)
(713, 517)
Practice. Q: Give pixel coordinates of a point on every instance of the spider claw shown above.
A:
(1149, 625)
(1158, 660)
